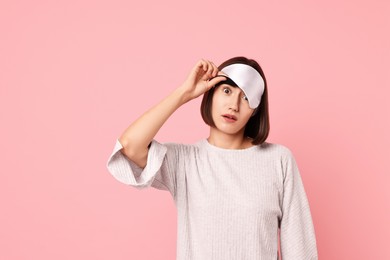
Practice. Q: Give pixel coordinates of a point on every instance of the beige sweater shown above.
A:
(230, 203)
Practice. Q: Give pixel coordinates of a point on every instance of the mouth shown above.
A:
(230, 118)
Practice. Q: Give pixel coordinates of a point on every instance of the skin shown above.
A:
(202, 77)
(138, 135)
(229, 135)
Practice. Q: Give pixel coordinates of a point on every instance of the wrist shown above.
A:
(182, 94)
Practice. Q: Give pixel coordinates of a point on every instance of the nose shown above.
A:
(234, 102)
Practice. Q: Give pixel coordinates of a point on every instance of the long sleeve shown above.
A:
(297, 234)
(159, 171)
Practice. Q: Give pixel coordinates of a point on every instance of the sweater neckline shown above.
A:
(219, 149)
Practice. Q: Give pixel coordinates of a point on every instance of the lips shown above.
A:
(231, 117)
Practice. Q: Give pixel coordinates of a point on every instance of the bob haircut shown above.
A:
(258, 125)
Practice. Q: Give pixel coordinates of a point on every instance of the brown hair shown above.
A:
(258, 125)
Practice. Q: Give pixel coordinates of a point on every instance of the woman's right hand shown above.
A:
(201, 79)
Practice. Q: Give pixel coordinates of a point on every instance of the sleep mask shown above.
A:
(247, 79)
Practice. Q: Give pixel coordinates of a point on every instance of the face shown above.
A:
(230, 109)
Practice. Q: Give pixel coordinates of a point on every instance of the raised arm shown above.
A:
(137, 137)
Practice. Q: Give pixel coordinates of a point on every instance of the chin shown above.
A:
(229, 130)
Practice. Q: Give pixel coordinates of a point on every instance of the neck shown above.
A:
(228, 141)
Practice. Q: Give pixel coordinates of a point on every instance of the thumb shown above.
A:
(212, 82)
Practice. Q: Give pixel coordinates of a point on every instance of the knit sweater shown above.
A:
(230, 202)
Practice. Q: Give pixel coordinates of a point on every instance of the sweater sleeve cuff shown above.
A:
(127, 172)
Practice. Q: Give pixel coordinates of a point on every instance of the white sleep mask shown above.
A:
(248, 80)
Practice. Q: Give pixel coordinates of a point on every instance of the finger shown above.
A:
(215, 69)
(212, 82)
(210, 69)
(205, 65)
(221, 73)
(198, 66)
(199, 69)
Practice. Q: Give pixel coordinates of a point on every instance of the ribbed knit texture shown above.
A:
(230, 203)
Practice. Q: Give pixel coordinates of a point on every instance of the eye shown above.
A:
(226, 90)
(245, 98)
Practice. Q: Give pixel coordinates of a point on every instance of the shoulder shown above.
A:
(285, 158)
(276, 149)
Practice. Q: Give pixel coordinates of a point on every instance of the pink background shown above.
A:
(75, 74)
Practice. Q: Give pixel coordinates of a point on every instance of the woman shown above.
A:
(233, 191)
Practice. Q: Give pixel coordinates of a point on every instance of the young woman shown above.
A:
(233, 191)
